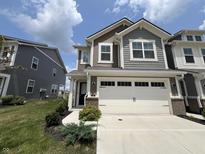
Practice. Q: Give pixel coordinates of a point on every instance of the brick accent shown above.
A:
(93, 101)
(178, 106)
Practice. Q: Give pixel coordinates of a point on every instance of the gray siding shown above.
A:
(103, 38)
(142, 34)
(81, 66)
(43, 76)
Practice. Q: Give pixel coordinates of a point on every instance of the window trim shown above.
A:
(56, 88)
(30, 86)
(202, 56)
(81, 58)
(34, 63)
(100, 52)
(185, 58)
(142, 41)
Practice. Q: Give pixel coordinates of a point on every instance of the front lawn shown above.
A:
(22, 131)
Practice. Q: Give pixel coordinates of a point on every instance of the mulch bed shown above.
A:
(54, 130)
(200, 121)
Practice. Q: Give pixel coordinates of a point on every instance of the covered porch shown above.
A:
(78, 89)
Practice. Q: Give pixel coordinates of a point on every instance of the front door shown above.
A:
(83, 89)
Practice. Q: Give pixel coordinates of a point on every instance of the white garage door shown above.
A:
(134, 96)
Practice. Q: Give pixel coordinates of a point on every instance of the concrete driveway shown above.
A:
(148, 134)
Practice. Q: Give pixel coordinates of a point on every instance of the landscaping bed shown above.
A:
(23, 131)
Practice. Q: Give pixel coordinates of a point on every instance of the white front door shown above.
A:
(134, 95)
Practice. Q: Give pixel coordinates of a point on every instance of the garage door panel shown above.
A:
(138, 100)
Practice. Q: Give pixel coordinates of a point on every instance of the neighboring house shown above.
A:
(125, 63)
(33, 70)
(186, 51)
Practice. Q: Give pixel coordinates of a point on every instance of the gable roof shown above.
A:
(124, 20)
(39, 46)
(148, 25)
(195, 31)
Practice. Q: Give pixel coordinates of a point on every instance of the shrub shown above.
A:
(12, 100)
(52, 119)
(18, 100)
(78, 134)
(7, 99)
(90, 113)
(62, 107)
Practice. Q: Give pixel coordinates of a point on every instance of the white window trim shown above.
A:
(33, 62)
(81, 58)
(185, 63)
(143, 59)
(111, 53)
(194, 38)
(30, 86)
(202, 57)
(55, 88)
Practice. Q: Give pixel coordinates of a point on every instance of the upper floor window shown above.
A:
(188, 54)
(30, 86)
(105, 52)
(203, 53)
(189, 38)
(34, 64)
(198, 38)
(85, 57)
(54, 72)
(143, 49)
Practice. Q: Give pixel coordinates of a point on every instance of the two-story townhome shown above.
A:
(124, 66)
(186, 51)
(30, 69)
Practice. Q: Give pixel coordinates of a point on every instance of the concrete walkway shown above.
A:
(154, 134)
(72, 118)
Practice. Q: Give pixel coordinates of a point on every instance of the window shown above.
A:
(105, 52)
(157, 84)
(34, 64)
(124, 84)
(143, 50)
(203, 54)
(85, 57)
(189, 38)
(198, 38)
(30, 86)
(141, 84)
(54, 71)
(54, 88)
(188, 55)
(107, 83)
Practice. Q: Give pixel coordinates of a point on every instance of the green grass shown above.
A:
(22, 131)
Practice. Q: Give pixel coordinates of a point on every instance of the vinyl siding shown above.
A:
(142, 34)
(43, 76)
(108, 38)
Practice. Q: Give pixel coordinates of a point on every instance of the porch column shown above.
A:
(178, 87)
(88, 85)
(70, 100)
(199, 90)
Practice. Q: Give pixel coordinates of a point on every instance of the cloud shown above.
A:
(202, 26)
(154, 10)
(52, 21)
